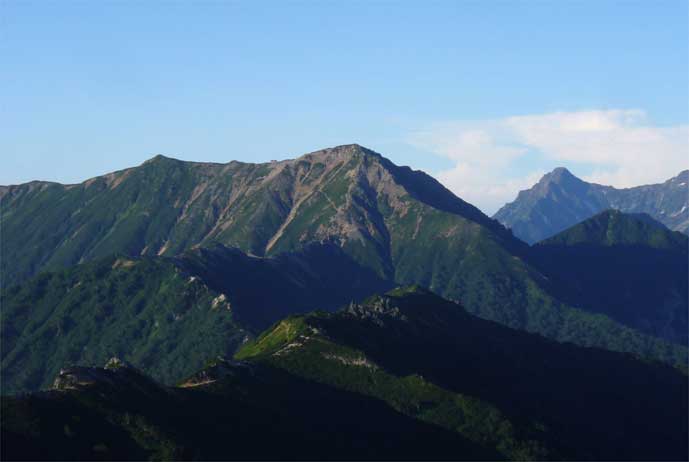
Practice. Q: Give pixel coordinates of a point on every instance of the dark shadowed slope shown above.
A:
(430, 359)
(249, 412)
(625, 266)
(406, 375)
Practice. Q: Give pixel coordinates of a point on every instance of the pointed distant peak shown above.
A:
(561, 177)
(156, 158)
(559, 174)
(561, 171)
(159, 158)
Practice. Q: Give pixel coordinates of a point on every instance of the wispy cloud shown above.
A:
(621, 148)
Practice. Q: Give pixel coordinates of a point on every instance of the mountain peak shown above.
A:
(351, 146)
(159, 158)
(559, 181)
(344, 151)
(561, 200)
(558, 175)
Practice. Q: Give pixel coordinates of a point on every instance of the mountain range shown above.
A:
(165, 206)
(172, 264)
(404, 375)
(560, 200)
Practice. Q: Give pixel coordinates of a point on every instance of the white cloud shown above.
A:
(483, 188)
(621, 147)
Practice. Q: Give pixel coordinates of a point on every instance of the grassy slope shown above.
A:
(296, 347)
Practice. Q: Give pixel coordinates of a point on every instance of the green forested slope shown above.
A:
(402, 225)
(624, 266)
(166, 316)
(144, 310)
(406, 375)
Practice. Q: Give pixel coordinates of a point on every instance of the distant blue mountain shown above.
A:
(560, 200)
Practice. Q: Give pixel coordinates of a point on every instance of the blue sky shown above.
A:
(485, 95)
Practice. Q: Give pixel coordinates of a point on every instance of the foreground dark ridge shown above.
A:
(406, 375)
